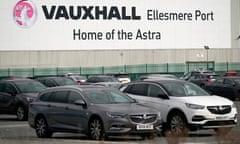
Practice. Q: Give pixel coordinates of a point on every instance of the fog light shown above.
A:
(198, 118)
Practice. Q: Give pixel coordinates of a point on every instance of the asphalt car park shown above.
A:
(13, 131)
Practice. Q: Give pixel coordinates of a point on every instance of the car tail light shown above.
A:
(210, 80)
(30, 104)
(78, 81)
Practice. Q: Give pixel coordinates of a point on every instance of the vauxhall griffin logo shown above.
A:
(25, 13)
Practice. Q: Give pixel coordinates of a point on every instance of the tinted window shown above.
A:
(49, 83)
(219, 81)
(92, 79)
(154, 91)
(184, 89)
(138, 89)
(73, 96)
(107, 97)
(64, 81)
(8, 88)
(29, 86)
(237, 81)
(61, 97)
(45, 96)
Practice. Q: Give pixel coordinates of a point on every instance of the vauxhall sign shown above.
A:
(90, 12)
(125, 24)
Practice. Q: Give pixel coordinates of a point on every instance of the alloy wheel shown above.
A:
(96, 129)
(21, 113)
(42, 128)
(177, 125)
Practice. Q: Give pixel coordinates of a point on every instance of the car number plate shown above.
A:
(144, 127)
(221, 117)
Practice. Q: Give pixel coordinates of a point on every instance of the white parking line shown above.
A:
(13, 126)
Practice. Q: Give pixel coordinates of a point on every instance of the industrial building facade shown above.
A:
(80, 34)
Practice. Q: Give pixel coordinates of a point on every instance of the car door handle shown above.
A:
(66, 108)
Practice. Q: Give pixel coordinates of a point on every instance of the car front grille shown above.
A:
(143, 118)
(219, 109)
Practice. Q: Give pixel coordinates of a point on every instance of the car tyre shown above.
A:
(177, 125)
(96, 129)
(41, 128)
(21, 113)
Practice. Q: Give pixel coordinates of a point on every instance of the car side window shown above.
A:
(1, 87)
(228, 82)
(154, 90)
(73, 96)
(218, 81)
(49, 83)
(8, 88)
(138, 89)
(58, 97)
(46, 96)
(91, 79)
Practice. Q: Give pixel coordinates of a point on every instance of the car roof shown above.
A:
(16, 79)
(231, 77)
(161, 80)
(79, 87)
(53, 77)
(101, 76)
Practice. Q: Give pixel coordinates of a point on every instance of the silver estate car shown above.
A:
(93, 110)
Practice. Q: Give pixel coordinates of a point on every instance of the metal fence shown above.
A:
(133, 70)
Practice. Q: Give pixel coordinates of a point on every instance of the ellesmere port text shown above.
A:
(180, 16)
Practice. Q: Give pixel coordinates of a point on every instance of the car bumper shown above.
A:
(122, 127)
(211, 121)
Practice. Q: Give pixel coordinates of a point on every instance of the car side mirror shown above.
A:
(163, 96)
(80, 102)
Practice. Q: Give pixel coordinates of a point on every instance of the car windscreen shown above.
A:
(64, 81)
(107, 97)
(178, 89)
(109, 79)
(237, 80)
(29, 86)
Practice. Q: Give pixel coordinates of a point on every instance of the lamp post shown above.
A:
(207, 48)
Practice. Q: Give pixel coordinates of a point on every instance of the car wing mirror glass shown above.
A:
(80, 102)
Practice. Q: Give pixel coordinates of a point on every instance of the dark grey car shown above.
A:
(93, 110)
(15, 95)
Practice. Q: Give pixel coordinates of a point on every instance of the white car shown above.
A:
(183, 105)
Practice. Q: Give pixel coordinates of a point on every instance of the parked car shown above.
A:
(104, 80)
(231, 73)
(122, 77)
(56, 81)
(196, 71)
(228, 87)
(93, 110)
(201, 79)
(76, 77)
(183, 105)
(16, 94)
(155, 76)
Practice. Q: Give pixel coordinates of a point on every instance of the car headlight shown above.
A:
(194, 106)
(29, 99)
(116, 115)
(159, 116)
